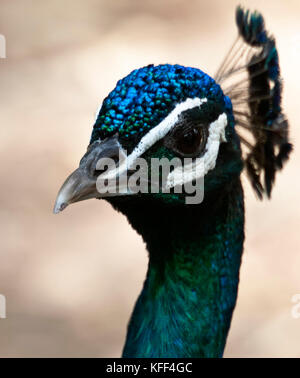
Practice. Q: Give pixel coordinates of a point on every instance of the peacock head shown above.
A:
(162, 127)
(167, 130)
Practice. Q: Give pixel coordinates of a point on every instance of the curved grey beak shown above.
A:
(77, 187)
(81, 184)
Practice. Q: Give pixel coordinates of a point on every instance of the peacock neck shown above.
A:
(190, 291)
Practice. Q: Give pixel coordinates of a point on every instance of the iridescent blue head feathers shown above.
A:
(147, 95)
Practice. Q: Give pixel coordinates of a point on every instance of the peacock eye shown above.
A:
(188, 142)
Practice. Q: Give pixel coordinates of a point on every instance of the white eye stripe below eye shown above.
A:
(200, 167)
(155, 134)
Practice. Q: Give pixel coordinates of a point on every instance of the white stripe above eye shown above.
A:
(155, 134)
(162, 129)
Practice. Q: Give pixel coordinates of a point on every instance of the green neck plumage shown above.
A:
(190, 291)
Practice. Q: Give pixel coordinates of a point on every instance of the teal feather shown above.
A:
(189, 295)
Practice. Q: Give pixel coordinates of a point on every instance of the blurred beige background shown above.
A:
(71, 280)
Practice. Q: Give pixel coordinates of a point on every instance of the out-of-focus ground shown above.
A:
(71, 280)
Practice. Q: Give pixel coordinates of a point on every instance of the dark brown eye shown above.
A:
(188, 142)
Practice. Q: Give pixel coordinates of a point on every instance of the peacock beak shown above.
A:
(77, 187)
(81, 184)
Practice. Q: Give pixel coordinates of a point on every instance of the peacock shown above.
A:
(225, 126)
